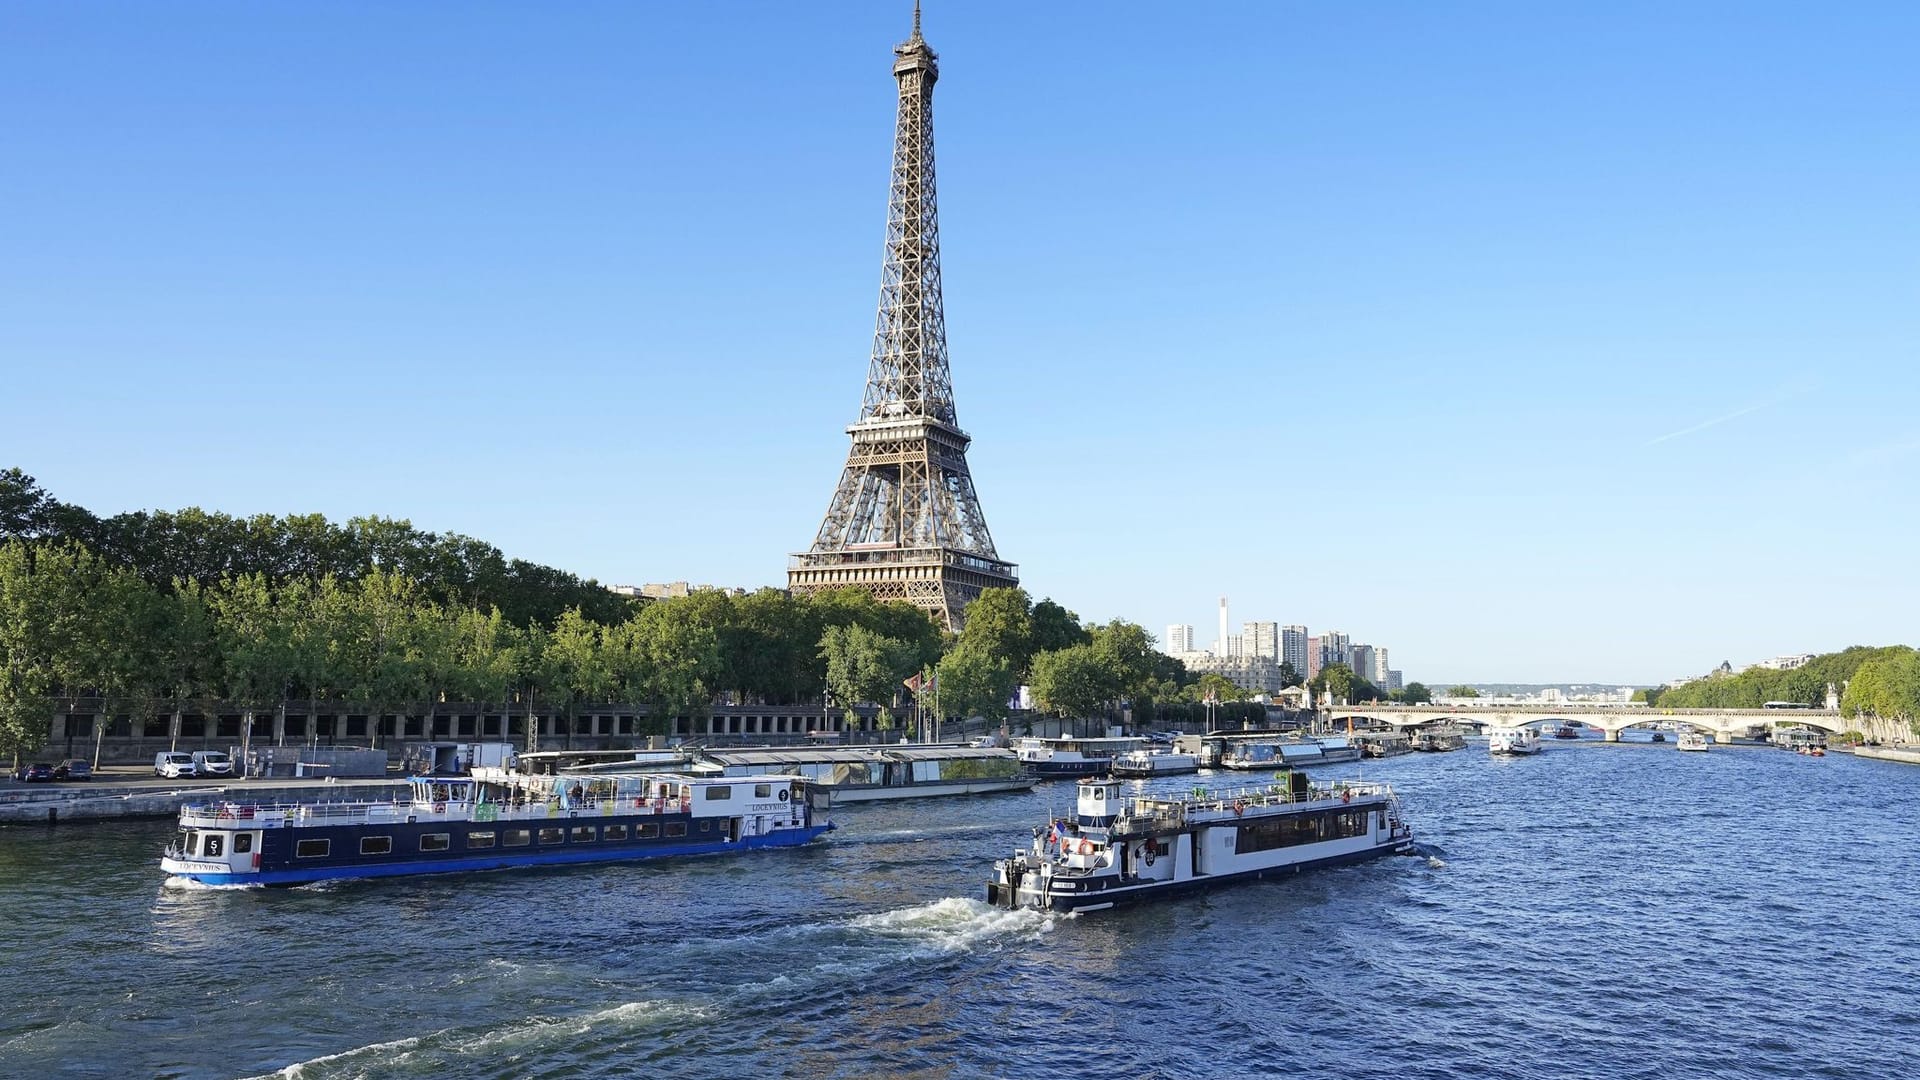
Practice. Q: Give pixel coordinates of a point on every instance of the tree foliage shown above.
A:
(1754, 687)
(1886, 686)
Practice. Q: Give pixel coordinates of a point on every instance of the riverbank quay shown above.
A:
(25, 805)
(1908, 754)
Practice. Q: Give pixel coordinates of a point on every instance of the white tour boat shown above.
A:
(1691, 740)
(871, 773)
(1117, 850)
(1155, 763)
(1069, 757)
(1513, 740)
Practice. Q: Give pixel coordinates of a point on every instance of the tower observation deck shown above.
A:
(904, 522)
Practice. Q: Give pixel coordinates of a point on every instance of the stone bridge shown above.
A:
(1723, 724)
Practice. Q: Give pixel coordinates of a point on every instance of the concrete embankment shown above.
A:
(41, 806)
(1908, 754)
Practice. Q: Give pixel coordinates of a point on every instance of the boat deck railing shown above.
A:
(231, 815)
(1153, 814)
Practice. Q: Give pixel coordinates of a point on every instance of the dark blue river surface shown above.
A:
(1596, 911)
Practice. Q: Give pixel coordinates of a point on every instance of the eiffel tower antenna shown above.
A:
(904, 522)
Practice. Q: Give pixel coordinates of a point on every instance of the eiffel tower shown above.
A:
(904, 522)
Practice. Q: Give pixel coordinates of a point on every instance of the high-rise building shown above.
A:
(1234, 647)
(1260, 639)
(1316, 657)
(1394, 681)
(1293, 648)
(1335, 648)
(1362, 660)
(1379, 676)
(1179, 638)
(904, 522)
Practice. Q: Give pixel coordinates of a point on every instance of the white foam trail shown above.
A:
(190, 885)
(1436, 862)
(299, 1068)
(954, 924)
(528, 1034)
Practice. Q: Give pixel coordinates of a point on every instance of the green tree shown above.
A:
(255, 632)
(576, 666)
(865, 666)
(999, 623)
(976, 682)
(1887, 687)
(1416, 694)
(668, 659)
(26, 666)
(1076, 681)
(1054, 627)
(1336, 679)
(1462, 692)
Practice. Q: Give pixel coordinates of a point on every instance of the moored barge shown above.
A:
(491, 821)
(1120, 850)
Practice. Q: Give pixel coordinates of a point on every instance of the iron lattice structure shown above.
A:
(905, 522)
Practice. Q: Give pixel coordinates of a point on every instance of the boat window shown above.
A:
(480, 839)
(614, 832)
(676, 828)
(762, 791)
(193, 842)
(376, 845)
(213, 846)
(242, 843)
(719, 791)
(553, 836)
(312, 849)
(434, 842)
(648, 831)
(583, 834)
(518, 838)
(706, 825)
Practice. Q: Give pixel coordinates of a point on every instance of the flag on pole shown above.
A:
(913, 684)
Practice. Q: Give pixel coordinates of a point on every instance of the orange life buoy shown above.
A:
(439, 808)
(1239, 808)
(1086, 847)
(1347, 797)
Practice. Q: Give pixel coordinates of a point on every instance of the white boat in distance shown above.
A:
(1691, 740)
(1155, 763)
(1513, 740)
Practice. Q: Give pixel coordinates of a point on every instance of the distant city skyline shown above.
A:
(1609, 308)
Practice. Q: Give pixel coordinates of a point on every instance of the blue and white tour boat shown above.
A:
(1069, 757)
(1119, 850)
(490, 821)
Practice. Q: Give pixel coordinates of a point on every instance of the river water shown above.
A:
(1613, 911)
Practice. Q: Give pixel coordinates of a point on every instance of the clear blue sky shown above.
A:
(1533, 341)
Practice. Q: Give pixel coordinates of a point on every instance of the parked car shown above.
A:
(73, 769)
(212, 763)
(36, 773)
(173, 764)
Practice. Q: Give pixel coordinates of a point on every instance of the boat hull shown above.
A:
(1103, 899)
(854, 793)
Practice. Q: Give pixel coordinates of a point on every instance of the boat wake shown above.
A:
(955, 924)
(484, 1052)
(190, 885)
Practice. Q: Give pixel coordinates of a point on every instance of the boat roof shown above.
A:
(808, 755)
(796, 756)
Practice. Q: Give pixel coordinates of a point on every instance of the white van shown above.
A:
(173, 765)
(212, 763)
